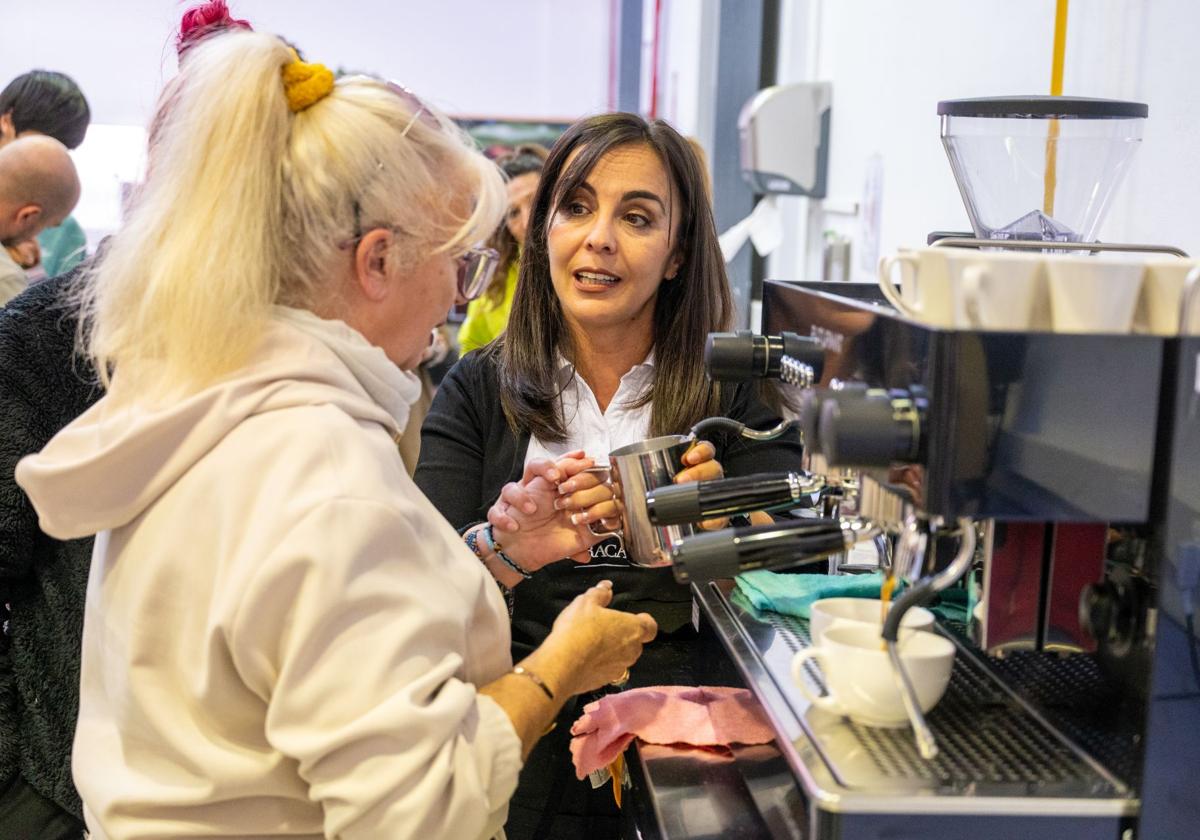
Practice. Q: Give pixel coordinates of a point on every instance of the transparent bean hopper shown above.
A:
(1040, 168)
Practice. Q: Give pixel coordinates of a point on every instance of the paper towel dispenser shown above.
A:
(784, 133)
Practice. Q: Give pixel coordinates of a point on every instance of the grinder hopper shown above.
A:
(1039, 167)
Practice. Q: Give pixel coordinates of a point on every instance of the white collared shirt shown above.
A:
(594, 431)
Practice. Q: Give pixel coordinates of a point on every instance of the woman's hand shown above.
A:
(530, 528)
(588, 497)
(590, 646)
(595, 645)
(701, 464)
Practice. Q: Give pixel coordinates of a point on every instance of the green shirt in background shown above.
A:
(63, 247)
(485, 320)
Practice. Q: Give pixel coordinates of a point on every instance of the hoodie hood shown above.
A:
(109, 465)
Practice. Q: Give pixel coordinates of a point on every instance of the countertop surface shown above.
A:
(683, 792)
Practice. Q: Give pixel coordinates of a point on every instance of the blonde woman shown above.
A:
(281, 635)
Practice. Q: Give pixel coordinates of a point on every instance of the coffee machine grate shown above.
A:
(985, 735)
(1079, 699)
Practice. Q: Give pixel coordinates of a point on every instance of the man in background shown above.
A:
(38, 189)
(49, 103)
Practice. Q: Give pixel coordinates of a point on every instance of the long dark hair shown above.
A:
(696, 302)
(524, 159)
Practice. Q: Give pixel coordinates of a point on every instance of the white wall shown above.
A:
(540, 58)
(890, 62)
(544, 59)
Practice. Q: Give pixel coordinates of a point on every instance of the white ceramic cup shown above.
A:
(925, 278)
(858, 674)
(1093, 294)
(967, 288)
(1000, 291)
(863, 612)
(1162, 294)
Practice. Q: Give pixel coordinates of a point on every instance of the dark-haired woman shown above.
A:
(487, 315)
(621, 281)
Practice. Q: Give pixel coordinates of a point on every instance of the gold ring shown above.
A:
(621, 680)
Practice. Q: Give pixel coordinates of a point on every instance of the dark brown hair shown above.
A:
(524, 159)
(690, 306)
(47, 102)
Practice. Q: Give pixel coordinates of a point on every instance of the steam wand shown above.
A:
(910, 550)
(728, 424)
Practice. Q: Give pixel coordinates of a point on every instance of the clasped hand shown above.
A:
(545, 516)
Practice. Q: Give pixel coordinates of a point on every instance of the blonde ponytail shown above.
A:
(245, 205)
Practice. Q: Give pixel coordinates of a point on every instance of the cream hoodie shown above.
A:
(282, 636)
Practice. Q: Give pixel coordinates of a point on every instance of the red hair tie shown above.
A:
(203, 20)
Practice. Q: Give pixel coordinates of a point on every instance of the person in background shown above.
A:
(488, 316)
(50, 103)
(44, 385)
(281, 635)
(38, 188)
(621, 282)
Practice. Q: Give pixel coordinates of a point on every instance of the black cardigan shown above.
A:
(44, 385)
(469, 452)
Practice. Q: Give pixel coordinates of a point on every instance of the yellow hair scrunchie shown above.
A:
(305, 84)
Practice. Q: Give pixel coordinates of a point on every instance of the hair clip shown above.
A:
(305, 84)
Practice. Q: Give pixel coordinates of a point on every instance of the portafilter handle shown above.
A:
(731, 551)
(695, 501)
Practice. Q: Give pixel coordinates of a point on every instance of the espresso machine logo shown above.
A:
(828, 339)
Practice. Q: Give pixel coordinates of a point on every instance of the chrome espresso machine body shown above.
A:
(1077, 458)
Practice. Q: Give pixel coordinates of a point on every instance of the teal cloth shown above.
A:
(794, 594)
(62, 247)
(953, 605)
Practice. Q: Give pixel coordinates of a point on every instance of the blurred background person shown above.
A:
(50, 103)
(44, 385)
(487, 316)
(38, 189)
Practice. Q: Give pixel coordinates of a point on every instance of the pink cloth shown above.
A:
(703, 716)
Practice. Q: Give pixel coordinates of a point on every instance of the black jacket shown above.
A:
(44, 385)
(468, 453)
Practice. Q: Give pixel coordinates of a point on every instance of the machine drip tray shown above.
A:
(997, 755)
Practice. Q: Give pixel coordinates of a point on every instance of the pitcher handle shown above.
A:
(604, 532)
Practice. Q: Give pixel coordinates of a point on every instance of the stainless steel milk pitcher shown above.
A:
(634, 470)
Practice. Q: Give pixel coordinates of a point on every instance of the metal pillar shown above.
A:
(628, 27)
(745, 59)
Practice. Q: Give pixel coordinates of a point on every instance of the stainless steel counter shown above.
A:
(1004, 770)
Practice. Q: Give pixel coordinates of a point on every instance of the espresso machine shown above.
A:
(1055, 476)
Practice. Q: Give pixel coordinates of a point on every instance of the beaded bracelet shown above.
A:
(471, 538)
(489, 537)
